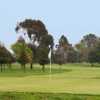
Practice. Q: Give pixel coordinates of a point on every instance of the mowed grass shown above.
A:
(45, 96)
(69, 78)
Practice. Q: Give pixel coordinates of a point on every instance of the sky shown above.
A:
(73, 18)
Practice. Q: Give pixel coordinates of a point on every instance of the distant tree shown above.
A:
(94, 55)
(89, 40)
(86, 44)
(64, 52)
(82, 51)
(34, 55)
(22, 52)
(43, 56)
(63, 41)
(59, 56)
(72, 56)
(5, 57)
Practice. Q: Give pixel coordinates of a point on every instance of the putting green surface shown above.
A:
(71, 78)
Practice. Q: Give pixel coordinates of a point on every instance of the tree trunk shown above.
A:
(10, 65)
(1, 67)
(31, 66)
(24, 67)
(43, 68)
(92, 65)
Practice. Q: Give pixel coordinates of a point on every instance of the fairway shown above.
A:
(70, 78)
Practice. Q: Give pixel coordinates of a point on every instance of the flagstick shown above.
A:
(50, 65)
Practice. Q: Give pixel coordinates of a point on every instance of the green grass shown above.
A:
(69, 78)
(45, 96)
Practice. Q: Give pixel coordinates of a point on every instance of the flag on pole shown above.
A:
(49, 55)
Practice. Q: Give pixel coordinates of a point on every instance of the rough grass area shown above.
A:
(45, 96)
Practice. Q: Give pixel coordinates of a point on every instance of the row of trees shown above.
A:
(40, 41)
(87, 50)
(37, 50)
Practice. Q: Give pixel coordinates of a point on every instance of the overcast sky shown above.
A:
(73, 18)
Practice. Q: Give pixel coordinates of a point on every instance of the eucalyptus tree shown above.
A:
(39, 37)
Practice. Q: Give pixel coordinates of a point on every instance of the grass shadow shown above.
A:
(28, 72)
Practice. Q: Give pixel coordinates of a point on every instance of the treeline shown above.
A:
(87, 50)
(41, 42)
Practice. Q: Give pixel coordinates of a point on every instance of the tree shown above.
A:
(86, 44)
(63, 41)
(82, 51)
(34, 55)
(22, 52)
(72, 56)
(39, 37)
(34, 28)
(94, 54)
(43, 56)
(5, 57)
(47, 40)
(59, 56)
(89, 40)
(92, 57)
(64, 52)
